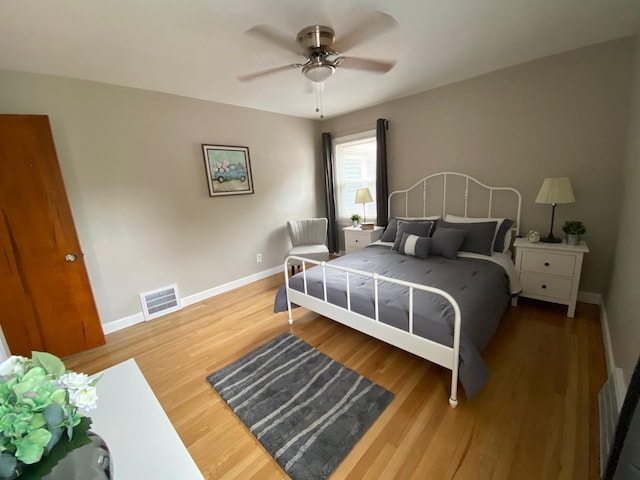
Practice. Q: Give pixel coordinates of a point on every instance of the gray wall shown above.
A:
(564, 115)
(135, 176)
(134, 172)
(622, 299)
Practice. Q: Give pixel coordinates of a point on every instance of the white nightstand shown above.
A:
(550, 271)
(356, 239)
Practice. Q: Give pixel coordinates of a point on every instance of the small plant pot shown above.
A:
(355, 224)
(573, 239)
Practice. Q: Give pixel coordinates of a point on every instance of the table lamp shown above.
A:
(553, 191)
(363, 196)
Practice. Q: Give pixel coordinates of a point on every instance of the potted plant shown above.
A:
(355, 218)
(574, 230)
(44, 414)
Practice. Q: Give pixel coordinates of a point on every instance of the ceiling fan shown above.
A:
(323, 53)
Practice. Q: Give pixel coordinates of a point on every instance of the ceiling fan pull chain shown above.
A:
(318, 87)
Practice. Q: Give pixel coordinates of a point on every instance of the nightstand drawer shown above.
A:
(358, 239)
(546, 286)
(548, 263)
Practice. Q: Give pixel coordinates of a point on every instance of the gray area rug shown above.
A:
(305, 408)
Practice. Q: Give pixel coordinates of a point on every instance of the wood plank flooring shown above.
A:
(537, 418)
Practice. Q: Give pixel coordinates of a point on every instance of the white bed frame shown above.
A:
(442, 355)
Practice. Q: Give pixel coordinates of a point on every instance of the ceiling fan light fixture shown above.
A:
(318, 73)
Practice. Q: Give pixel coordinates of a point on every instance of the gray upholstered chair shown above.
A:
(309, 239)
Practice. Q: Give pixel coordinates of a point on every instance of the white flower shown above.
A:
(14, 365)
(72, 380)
(84, 399)
(82, 394)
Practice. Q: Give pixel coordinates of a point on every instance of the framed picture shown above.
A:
(228, 170)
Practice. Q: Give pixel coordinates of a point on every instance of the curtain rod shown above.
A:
(361, 128)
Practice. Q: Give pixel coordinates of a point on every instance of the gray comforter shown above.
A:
(480, 287)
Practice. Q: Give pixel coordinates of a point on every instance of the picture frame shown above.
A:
(228, 170)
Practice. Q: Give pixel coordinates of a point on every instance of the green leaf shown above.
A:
(61, 450)
(54, 415)
(59, 396)
(56, 435)
(35, 375)
(30, 448)
(95, 380)
(52, 364)
(38, 421)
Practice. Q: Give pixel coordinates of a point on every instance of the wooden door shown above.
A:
(46, 302)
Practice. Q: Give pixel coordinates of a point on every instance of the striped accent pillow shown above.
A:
(414, 245)
(422, 229)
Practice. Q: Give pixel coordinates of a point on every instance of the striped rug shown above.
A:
(306, 409)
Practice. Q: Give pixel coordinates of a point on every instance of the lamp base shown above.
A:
(551, 240)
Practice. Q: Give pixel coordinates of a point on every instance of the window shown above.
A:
(355, 167)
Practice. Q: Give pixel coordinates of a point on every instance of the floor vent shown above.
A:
(160, 302)
(608, 408)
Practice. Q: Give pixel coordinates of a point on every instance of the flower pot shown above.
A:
(573, 239)
(89, 462)
(355, 224)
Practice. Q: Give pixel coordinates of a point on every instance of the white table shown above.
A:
(550, 271)
(142, 442)
(355, 238)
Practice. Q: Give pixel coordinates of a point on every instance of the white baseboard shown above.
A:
(590, 297)
(614, 372)
(212, 292)
(125, 322)
(121, 323)
(621, 390)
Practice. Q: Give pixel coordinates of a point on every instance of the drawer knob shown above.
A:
(546, 264)
(544, 286)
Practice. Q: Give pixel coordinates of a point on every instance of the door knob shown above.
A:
(70, 257)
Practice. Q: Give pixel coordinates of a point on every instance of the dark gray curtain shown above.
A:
(382, 189)
(327, 158)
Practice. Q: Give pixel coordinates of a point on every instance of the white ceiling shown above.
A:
(196, 48)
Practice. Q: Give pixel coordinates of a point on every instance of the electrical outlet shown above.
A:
(259, 257)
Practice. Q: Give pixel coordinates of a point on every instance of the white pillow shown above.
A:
(507, 235)
(432, 217)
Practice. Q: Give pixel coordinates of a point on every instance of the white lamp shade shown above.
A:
(556, 190)
(363, 195)
(318, 73)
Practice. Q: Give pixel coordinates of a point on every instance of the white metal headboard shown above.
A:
(426, 196)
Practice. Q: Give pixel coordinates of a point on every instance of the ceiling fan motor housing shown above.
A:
(316, 37)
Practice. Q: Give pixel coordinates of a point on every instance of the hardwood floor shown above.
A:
(537, 418)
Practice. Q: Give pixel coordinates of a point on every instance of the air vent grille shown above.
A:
(160, 302)
(608, 408)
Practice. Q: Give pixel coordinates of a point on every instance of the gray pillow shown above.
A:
(414, 245)
(419, 228)
(505, 226)
(389, 234)
(478, 236)
(446, 242)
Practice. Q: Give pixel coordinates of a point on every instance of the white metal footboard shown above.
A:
(443, 355)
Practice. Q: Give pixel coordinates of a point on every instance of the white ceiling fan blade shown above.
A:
(272, 35)
(373, 25)
(269, 71)
(355, 63)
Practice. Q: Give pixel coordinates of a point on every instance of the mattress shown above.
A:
(480, 286)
